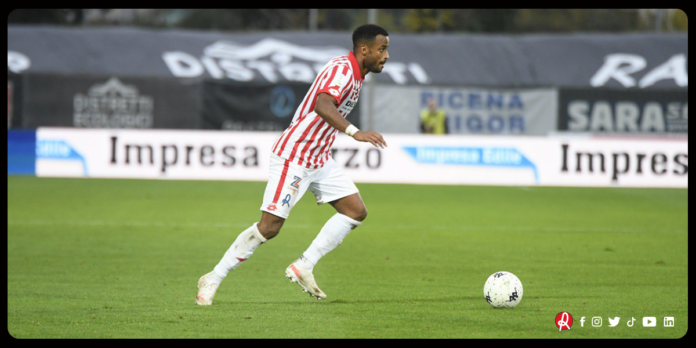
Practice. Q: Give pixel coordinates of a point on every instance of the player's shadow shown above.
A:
(451, 299)
(407, 301)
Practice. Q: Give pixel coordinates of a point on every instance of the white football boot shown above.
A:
(206, 290)
(305, 279)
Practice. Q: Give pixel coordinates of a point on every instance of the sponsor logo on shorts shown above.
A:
(286, 200)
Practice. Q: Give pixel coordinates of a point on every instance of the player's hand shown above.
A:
(371, 137)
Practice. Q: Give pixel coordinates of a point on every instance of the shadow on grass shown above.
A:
(340, 301)
(451, 299)
(405, 301)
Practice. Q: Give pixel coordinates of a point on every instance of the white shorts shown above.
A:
(287, 182)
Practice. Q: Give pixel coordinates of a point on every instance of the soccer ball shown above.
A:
(503, 290)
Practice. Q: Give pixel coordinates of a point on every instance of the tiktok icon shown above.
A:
(630, 322)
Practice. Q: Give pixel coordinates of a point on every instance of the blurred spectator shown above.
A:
(433, 119)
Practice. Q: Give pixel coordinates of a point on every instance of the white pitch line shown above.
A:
(393, 227)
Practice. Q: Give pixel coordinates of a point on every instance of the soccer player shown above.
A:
(301, 160)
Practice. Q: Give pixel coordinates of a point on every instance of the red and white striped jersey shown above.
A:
(308, 139)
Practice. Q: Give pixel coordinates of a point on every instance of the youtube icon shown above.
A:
(649, 322)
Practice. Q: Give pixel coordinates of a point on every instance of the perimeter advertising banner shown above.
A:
(253, 107)
(152, 154)
(624, 111)
(594, 60)
(488, 111)
(470, 160)
(107, 102)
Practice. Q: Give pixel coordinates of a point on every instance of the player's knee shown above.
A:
(269, 229)
(360, 214)
(363, 214)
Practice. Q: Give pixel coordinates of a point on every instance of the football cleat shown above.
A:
(305, 279)
(206, 290)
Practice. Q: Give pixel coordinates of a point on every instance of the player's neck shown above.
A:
(363, 70)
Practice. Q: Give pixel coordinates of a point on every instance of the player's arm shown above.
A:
(326, 109)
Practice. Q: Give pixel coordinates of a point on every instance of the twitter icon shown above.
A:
(613, 321)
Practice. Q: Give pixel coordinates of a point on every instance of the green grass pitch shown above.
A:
(107, 258)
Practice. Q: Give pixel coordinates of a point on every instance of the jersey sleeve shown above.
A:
(338, 82)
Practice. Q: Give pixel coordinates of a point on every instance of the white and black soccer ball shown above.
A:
(503, 290)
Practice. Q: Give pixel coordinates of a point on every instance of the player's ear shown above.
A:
(364, 49)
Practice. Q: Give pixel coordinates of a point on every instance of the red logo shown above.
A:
(272, 207)
(564, 321)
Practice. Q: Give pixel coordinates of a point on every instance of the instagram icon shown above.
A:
(596, 321)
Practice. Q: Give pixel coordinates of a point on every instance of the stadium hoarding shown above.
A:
(197, 78)
(409, 159)
(489, 111)
(152, 154)
(593, 60)
(151, 103)
(624, 111)
(21, 157)
(520, 161)
(237, 106)
(107, 102)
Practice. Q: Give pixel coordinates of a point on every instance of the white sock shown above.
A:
(241, 249)
(330, 236)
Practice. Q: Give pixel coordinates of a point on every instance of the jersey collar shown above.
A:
(356, 67)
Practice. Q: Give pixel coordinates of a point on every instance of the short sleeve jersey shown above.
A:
(308, 139)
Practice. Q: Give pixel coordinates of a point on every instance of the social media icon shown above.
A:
(630, 322)
(613, 321)
(669, 321)
(596, 321)
(582, 322)
(564, 321)
(649, 322)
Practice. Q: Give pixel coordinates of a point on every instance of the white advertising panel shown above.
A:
(413, 159)
(153, 154)
(521, 160)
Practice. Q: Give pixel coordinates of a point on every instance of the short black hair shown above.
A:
(366, 34)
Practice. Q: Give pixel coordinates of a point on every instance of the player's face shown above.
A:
(377, 54)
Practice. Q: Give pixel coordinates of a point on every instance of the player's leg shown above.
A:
(240, 251)
(242, 248)
(247, 241)
(334, 187)
(282, 192)
(350, 212)
(351, 206)
(279, 198)
(270, 225)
